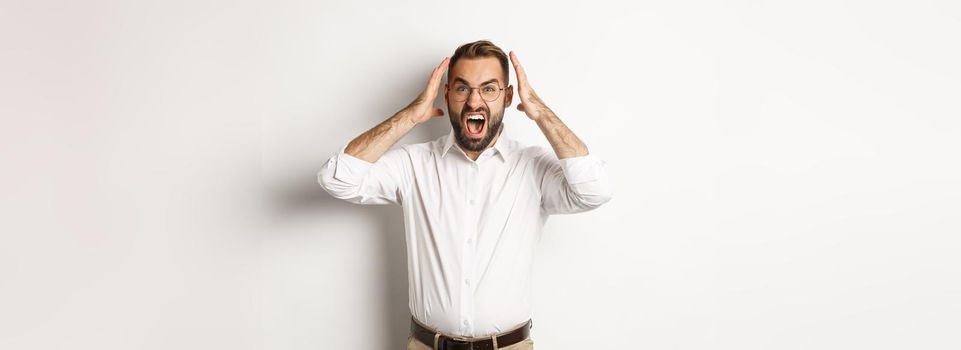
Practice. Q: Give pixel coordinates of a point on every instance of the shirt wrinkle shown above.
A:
(470, 226)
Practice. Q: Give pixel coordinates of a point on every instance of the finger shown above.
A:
(443, 64)
(520, 107)
(519, 70)
(434, 83)
(437, 112)
(438, 73)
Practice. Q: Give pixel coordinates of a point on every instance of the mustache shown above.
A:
(478, 110)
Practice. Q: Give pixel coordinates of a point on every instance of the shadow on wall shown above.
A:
(304, 195)
(392, 254)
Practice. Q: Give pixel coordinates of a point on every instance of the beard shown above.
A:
(494, 126)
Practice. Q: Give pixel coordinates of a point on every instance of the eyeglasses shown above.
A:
(489, 92)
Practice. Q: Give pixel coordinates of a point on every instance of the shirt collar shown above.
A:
(502, 146)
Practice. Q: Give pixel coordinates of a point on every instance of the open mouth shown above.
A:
(476, 124)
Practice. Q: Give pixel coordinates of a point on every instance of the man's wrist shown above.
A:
(545, 116)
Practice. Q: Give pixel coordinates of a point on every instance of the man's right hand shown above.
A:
(422, 109)
(372, 144)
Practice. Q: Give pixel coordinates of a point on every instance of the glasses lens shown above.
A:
(461, 92)
(489, 92)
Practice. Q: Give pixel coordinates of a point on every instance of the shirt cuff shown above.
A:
(350, 169)
(582, 169)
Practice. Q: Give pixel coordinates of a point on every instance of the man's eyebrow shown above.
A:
(459, 79)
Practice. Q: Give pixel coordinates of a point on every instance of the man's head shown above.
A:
(476, 93)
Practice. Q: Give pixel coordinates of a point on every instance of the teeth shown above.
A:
(475, 117)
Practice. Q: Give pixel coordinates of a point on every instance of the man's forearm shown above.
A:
(562, 139)
(371, 145)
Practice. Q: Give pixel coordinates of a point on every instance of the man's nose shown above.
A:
(474, 99)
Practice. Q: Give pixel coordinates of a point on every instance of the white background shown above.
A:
(785, 174)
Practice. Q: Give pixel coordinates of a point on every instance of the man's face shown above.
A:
(475, 120)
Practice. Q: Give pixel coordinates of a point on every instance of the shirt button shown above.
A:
(467, 281)
(466, 323)
(471, 201)
(470, 241)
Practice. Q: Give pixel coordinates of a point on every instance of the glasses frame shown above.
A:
(471, 92)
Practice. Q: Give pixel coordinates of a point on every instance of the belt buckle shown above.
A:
(451, 342)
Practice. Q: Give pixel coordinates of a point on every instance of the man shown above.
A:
(474, 201)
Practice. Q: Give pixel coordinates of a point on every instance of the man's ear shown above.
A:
(446, 90)
(510, 96)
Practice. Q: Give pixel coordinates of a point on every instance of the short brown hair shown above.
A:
(479, 49)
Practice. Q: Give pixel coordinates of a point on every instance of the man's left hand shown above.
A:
(530, 104)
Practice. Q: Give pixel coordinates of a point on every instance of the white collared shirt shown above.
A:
(471, 226)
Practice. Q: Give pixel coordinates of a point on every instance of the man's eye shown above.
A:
(489, 89)
(460, 89)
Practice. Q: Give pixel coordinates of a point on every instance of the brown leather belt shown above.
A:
(444, 342)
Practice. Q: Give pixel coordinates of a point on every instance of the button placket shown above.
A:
(467, 293)
(467, 265)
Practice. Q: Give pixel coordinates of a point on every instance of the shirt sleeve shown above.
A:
(361, 182)
(573, 185)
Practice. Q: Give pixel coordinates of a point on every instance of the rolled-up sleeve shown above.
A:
(358, 181)
(573, 185)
